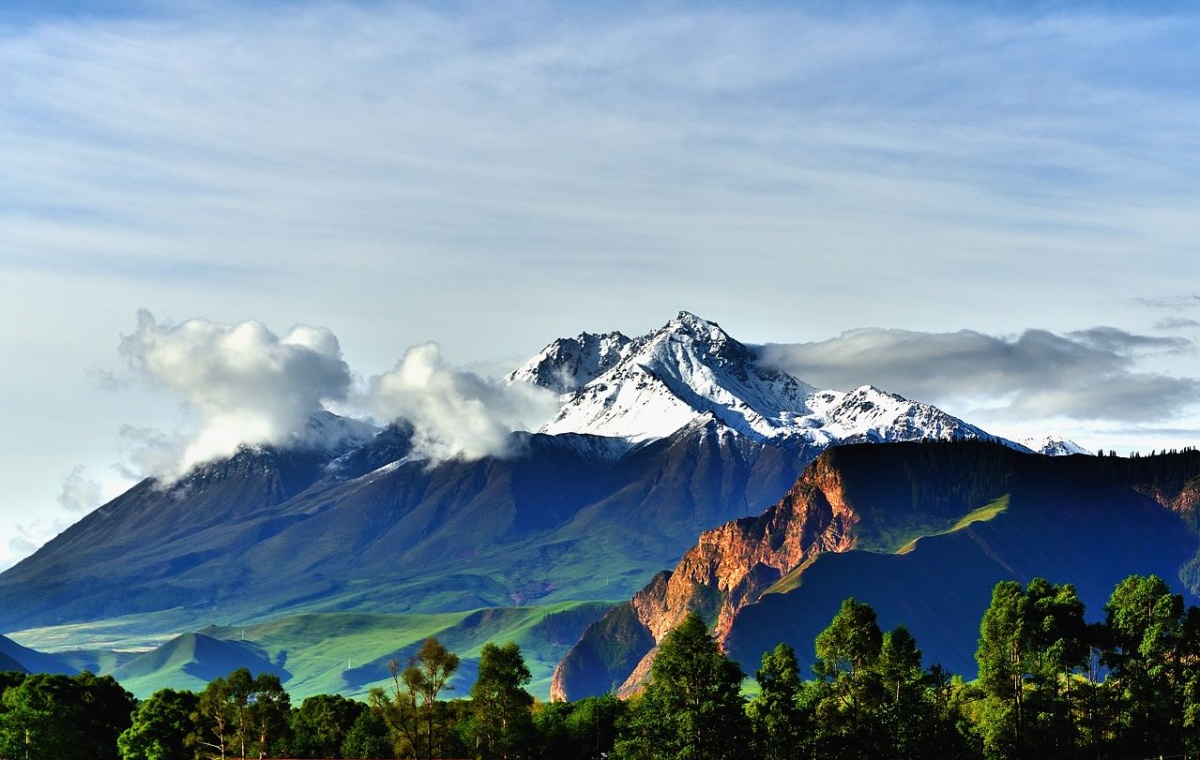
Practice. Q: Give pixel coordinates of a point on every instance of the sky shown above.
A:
(219, 217)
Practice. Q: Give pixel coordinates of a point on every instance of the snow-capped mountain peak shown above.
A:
(650, 387)
(1053, 445)
(688, 367)
(568, 364)
(870, 414)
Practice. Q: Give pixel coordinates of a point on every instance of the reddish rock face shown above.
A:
(731, 566)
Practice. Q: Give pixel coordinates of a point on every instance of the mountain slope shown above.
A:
(15, 657)
(922, 530)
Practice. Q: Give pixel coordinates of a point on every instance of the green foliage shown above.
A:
(692, 707)
(320, 725)
(67, 717)
(1033, 646)
(501, 724)
(241, 716)
(419, 724)
(1152, 645)
(579, 730)
(779, 723)
(369, 737)
(161, 727)
(1049, 686)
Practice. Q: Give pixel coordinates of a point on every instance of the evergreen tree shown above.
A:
(369, 737)
(780, 726)
(849, 691)
(241, 716)
(320, 724)
(64, 717)
(1033, 642)
(692, 707)
(1145, 623)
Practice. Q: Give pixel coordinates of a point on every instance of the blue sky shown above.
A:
(858, 183)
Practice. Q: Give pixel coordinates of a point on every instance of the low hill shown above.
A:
(348, 653)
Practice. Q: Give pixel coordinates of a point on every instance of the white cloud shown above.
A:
(1091, 375)
(456, 412)
(242, 383)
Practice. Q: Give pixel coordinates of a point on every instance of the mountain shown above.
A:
(14, 657)
(649, 388)
(921, 531)
(657, 438)
(1053, 446)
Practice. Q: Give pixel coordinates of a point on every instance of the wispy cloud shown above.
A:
(80, 493)
(1088, 375)
(1176, 323)
(559, 139)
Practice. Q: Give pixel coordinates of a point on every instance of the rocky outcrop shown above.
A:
(730, 567)
(907, 490)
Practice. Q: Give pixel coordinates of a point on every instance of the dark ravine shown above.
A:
(839, 532)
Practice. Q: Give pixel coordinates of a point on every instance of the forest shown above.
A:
(1050, 684)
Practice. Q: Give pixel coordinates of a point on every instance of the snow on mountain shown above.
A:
(663, 380)
(1053, 445)
(331, 430)
(570, 363)
(868, 414)
(648, 388)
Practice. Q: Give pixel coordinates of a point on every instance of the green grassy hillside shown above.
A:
(327, 653)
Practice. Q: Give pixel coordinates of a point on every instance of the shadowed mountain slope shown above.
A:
(923, 532)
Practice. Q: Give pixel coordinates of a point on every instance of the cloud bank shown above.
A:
(456, 412)
(1086, 375)
(242, 384)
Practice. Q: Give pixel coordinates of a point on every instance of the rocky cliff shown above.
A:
(731, 566)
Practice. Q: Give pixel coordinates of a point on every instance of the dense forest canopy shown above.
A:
(1050, 685)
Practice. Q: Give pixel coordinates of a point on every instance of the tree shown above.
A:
(692, 707)
(501, 721)
(65, 717)
(241, 715)
(160, 728)
(412, 710)
(582, 730)
(214, 721)
(849, 691)
(1033, 642)
(320, 725)
(108, 711)
(1145, 623)
(42, 718)
(266, 715)
(780, 727)
(369, 737)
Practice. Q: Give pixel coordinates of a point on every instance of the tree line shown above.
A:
(1050, 684)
